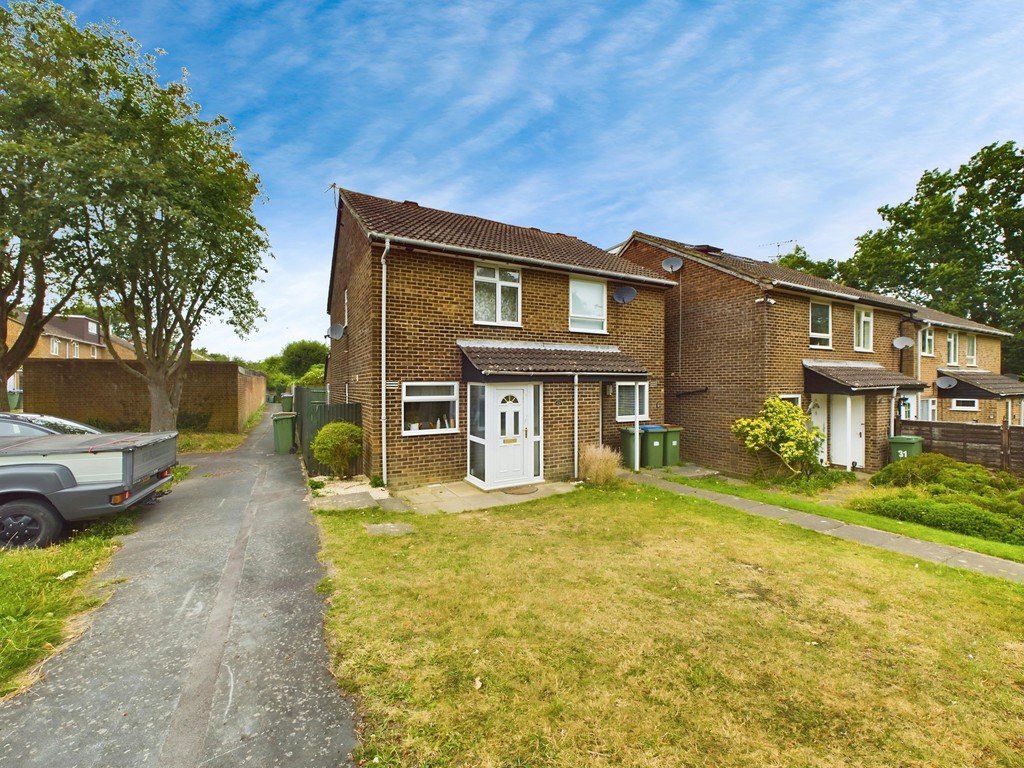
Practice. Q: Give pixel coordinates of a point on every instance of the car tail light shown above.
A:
(120, 498)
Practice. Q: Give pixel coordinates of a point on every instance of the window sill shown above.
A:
(497, 325)
(630, 419)
(418, 432)
(818, 346)
(862, 349)
(927, 354)
(592, 333)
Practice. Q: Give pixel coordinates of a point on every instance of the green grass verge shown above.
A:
(637, 627)
(38, 601)
(846, 515)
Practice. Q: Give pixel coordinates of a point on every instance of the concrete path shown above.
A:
(211, 651)
(894, 542)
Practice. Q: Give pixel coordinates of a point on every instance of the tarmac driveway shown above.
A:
(211, 651)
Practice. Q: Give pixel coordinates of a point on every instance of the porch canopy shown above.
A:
(485, 360)
(838, 377)
(981, 385)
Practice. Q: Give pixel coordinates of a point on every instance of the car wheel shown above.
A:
(28, 523)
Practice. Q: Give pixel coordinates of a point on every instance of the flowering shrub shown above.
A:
(782, 430)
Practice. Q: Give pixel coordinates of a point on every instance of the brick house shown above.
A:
(68, 337)
(738, 331)
(485, 351)
(966, 357)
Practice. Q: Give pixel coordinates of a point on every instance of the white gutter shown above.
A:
(384, 361)
(477, 253)
(576, 427)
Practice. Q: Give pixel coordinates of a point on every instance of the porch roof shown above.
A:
(837, 377)
(547, 360)
(983, 385)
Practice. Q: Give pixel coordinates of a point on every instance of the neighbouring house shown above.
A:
(960, 360)
(486, 351)
(738, 331)
(69, 337)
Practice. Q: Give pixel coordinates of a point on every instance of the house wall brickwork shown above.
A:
(731, 344)
(218, 397)
(989, 358)
(429, 307)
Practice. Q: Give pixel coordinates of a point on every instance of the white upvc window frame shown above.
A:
(928, 409)
(582, 319)
(927, 342)
(410, 397)
(952, 348)
(796, 400)
(502, 285)
(55, 346)
(819, 340)
(863, 329)
(94, 352)
(644, 397)
(971, 350)
(963, 404)
(76, 350)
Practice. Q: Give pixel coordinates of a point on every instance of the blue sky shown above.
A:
(739, 124)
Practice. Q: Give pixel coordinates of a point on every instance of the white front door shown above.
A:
(819, 419)
(505, 440)
(846, 418)
(507, 450)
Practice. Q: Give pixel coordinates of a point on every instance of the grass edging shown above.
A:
(853, 517)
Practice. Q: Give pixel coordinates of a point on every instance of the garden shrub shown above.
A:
(955, 516)
(818, 479)
(935, 468)
(782, 430)
(336, 445)
(599, 464)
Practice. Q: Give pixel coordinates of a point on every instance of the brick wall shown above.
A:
(989, 358)
(430, 307)
(217, 397)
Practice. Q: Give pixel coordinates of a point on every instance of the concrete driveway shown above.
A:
(211, 651)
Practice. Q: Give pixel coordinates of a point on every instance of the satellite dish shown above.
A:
(624, 294)
(336, 331)
(903, 342)
(672, 264)
(945, 382)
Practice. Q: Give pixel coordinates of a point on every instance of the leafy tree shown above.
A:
(801, 261)
(957, 245)
(314, 377)
(782, 430)
(299, 356)
(58, 87)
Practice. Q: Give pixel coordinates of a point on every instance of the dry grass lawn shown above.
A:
(632, 627)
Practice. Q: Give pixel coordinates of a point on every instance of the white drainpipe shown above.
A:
(636, 424)
(576, 427)
(384, 361)
(849, 433)
(892, 413)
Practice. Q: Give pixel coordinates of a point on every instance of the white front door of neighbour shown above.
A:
(846, 442)
(819, 419)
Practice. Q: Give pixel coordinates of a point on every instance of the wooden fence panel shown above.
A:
(312, 417)
(996, 446)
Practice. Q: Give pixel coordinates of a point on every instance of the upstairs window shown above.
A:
(863, 329)
(821, 325)
(496, 295)
(55, 347)
(587, 306)
(928, 342)
(626, 401)
(971, 350)
(952, 348)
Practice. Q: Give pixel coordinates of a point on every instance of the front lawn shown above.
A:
(635, 627)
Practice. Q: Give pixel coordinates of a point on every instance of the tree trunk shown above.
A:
(163, 407)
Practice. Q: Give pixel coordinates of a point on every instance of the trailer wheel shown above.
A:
(28, 523)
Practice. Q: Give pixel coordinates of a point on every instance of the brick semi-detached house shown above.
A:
(738, 331)
(486, 351)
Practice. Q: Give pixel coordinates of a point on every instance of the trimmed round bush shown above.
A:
(336, 444)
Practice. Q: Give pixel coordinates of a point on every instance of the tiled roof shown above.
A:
(414, 222)
(863, 377)
(935, 317)
(496, 358)
(764, 271)
(995, 383)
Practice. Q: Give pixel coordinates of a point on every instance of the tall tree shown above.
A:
(58, 84)
(957, 245)
(299, 356)
(174, 240)
(801, 261)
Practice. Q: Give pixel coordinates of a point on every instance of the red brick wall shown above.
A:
(989, 358)
(218, 397)
(430, 307)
